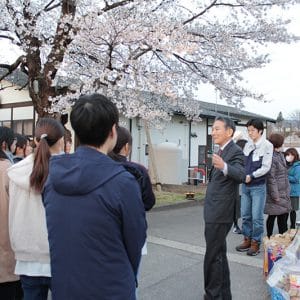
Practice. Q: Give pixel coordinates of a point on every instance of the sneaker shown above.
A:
(244, 246)
(237, 230)
(254, 248)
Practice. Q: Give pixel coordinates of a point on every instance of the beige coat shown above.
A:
(7, 260)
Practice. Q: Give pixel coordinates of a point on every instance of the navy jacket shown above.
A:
(96, 227)
(142, 177)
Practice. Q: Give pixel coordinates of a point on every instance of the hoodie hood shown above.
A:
(19, 173)
(81, 172)
(296, 163)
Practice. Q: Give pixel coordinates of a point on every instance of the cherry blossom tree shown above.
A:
(150, 56)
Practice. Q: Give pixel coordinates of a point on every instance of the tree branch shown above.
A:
(214, 3)
(115, 5)
(23, 87)
(162, 61)
(12, 67)
(48, 7)
(201, 13)
(163, 2)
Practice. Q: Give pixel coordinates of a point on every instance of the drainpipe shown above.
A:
(190, 142)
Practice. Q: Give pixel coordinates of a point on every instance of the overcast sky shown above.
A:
(279, 80)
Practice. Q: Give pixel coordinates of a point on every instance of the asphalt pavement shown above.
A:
(173, 267)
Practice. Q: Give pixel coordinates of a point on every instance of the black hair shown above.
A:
(227, 122)
(292, 151)
(92, 119)
(124, 137)
(6, 136)
(21, 141)
(256, 123)
(241, 143)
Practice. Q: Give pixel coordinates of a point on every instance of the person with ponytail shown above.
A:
(27, 221)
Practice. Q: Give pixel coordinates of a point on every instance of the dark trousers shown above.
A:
(293, 219)
(281, 222)
(11, 290)
(35, 287)
(216, 269)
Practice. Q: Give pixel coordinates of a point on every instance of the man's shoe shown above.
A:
(254, 248)
(237, 230)
(244, 246)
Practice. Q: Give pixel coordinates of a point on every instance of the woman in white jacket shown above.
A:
(27, 222)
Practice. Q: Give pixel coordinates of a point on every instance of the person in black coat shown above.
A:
(120, 153)
(226, 174)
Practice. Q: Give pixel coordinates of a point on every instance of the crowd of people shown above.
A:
(263, 179)
(72, 223)
(75, 224)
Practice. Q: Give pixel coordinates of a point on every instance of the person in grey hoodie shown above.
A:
(278, 203)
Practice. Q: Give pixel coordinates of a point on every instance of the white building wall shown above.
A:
(11, 94)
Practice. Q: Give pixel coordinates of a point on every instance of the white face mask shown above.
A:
(289, 158)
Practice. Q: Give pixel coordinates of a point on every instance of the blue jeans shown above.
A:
(35, 287)
(252, 208)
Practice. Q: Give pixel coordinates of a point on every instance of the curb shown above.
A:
(177, 205)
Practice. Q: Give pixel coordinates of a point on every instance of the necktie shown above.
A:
(220, 152)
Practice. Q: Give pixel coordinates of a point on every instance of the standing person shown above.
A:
(27, 221)
(29, 148)
(120, 153)
(278, 204)
(258, 159)
(9, 282)
(8, 144)
(95, 214)
(227, 172)
(236, 229)
(20, 150)
(292, 158)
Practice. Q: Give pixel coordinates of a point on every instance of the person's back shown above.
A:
(95, 217)
(278, 187)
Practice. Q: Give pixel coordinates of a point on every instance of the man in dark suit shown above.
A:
(227, 173)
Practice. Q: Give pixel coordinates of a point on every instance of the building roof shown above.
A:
(231, 111)
(210, 110)
(17, 77)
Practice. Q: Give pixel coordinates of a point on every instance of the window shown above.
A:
(5, 123)
(24, 127)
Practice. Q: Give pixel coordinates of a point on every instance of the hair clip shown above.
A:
(43, 136)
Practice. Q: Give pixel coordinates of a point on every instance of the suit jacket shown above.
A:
(222, 190)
